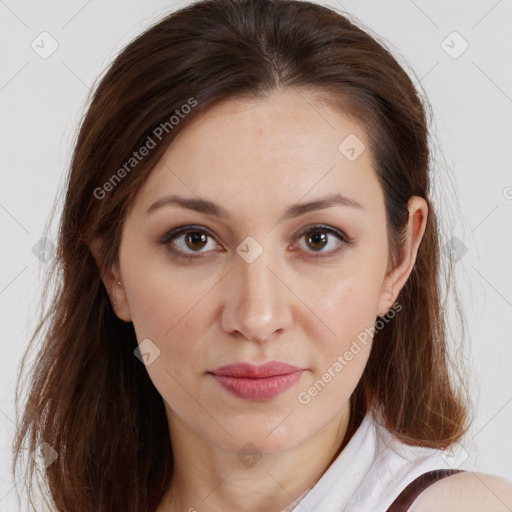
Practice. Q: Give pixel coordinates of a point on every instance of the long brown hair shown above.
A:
(89, 398)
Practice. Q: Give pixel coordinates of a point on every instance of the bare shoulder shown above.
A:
(466, 492)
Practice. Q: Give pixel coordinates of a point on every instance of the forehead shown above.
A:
(250, 153)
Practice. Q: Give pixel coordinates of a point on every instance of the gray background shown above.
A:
(43, 99)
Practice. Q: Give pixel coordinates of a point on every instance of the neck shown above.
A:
(208, 478)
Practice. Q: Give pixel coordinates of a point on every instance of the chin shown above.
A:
(269, 436)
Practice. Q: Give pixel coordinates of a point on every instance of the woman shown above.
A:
(248, 316)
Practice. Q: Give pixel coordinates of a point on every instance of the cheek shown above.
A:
(346, 302)
(342, 342)
(168, 310)
(160, 295)
(342, 329)
(168, 305)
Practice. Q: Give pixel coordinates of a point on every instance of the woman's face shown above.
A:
(257, 277)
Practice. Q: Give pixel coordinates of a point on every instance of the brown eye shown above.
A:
(189, 242)
(318, 238)
(195, 239)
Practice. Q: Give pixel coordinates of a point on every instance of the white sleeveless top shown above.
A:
(370, 472)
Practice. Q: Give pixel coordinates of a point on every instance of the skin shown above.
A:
(255, 158)
(466, 492)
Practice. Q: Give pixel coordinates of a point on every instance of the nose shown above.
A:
(257, 306)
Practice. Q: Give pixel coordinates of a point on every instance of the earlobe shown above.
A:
(386, 298)
(397, 277)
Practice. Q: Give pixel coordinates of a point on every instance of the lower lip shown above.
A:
(258, 389)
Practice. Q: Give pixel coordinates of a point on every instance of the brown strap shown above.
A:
(417, 486)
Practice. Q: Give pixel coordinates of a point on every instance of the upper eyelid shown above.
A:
(191, 227)
(181, 230)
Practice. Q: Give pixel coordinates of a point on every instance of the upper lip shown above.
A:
(254, 371)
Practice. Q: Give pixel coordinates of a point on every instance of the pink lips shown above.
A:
(257, 382)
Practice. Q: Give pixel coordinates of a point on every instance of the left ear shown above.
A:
(397, 277)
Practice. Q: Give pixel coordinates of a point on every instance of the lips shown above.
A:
(257, 382)
(252, 371)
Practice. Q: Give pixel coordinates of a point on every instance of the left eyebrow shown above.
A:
(210, 208)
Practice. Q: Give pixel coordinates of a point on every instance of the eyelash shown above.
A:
(171, 235)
